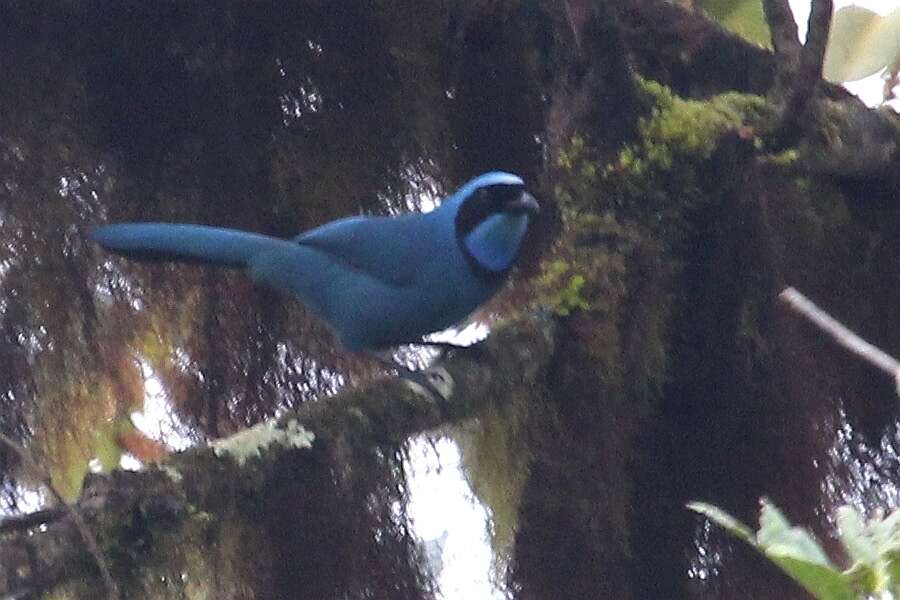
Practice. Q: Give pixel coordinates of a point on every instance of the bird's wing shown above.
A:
(381, 247)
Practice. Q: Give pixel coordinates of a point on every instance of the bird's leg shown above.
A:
(446, 348)
(436, 382)
(443, 347)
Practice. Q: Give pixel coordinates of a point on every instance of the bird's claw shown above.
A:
(436, 381)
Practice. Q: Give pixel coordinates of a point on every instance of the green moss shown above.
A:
(561, 288)
(626, 221)
(692, 127)
(667, 169)
(70, 439)
(677, 139)
(784, 158)
(195, 554)
(495, 458)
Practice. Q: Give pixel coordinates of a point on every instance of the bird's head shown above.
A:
(492, 213)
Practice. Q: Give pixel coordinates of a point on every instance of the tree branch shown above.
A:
(842, 334)
(798, 68)
(785, 38)
(839, 135)
(808, 72)
(173, 498)
(87, 536)
(819, 25)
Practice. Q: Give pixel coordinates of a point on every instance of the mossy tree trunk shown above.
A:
(683, 377)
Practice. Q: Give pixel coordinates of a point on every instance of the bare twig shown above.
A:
(30, 520)
(90, 541)
(809, 68)
(841, 334)
(798, 68)
(785, 38)
(819, 25)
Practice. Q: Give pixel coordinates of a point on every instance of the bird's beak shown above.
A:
(523, 203)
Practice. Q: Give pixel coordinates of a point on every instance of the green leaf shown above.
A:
(864, 579)
(796, 543)
(885, 533)
(743, 17)
(724, 520)
(892, 570)
(772, 524)
(822, 582)
(861, 43)
(793, 549)
(856, 537)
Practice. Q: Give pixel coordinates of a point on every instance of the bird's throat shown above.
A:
(494, 243)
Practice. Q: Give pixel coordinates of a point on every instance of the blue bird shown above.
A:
(377, 281)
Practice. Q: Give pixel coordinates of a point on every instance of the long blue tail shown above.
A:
(183, 243)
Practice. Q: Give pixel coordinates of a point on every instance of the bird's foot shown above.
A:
(445, 348)
(436, 382)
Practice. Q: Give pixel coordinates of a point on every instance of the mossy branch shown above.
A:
(193, 494)
(836, 133)
(64, 509)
